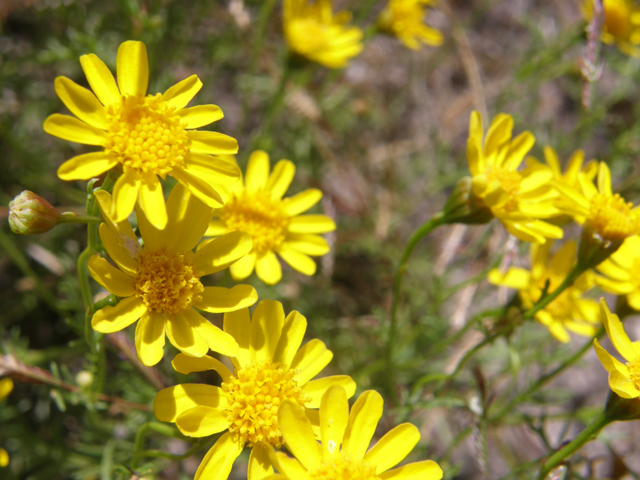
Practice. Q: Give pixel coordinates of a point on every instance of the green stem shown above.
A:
(588, 434)
(263, 16)
(70, 217)
(141, 436)
(547, 298)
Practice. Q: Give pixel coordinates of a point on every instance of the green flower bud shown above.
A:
(31, 214)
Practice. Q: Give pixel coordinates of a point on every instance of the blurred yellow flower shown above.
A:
(621, 24)
(146, 136)
(404, 19)
(270, 368)
(160, 282)
(314, 32)
(273, 223)
(624, 379)
(345, 438)
(620, 272)
(6, 386)
(567, 312)
(518, 199)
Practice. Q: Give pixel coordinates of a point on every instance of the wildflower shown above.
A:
(624, 378)
(31, 214)
(567, 312)
(273, 223)
(146, 136)
(6, 386)
(314, 32)
(518, 199)
(270, 369)
(404, 19)
(620, 272)
(345, 439)
(621, 24)
(160, 282)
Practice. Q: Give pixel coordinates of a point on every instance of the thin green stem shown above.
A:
(69, 217)
(141, 436)
(547, 298)
(263, 16)
(588, 434)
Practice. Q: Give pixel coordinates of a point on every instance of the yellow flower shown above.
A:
(314, 32)
(518, 199)
(6, 386)
(624, 379)
(620, 272)
(270, 368)
(345, 438)
(621, 24)
(147, 136)
(273, 223)
(160, 282)
(568, 179)
(404, 19)
(567, 312)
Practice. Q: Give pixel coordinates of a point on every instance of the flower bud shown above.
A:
(463, 206)
(31, 214)
(622, 409)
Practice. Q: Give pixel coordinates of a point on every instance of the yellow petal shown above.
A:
(363, 420)
(198, 187)
(334, 416)
(123, 229)
(259, 467)
(298, 261)
(6, 386)
(113, 319)
(112, 279)
(311, 224)
(222, 252)
(298, 435)
(562, 262)
(616, 332)
(73, 130)
(86, 166)
(518, 148)
(238, 325)
(301, 202)
(622, 385)
(132, 68)
(604, 180)
(266, 326)
(182, 92)
(313, 245)
(393, 447)
(4, 458)
(217, 463)
(609, 362)
(152, 200)
(100, 79)
(257, 172)
(119, 254)
(516, 278)
(425, 470)
(268, 268)
(173, 401)
(150, 338)
(125, 194)
(551, 158)
(212, 143)
(499, 133)
(185, 364)
(216, 339)
(310, 360)
(202, 421)
(212, 169)
(215, 229)
(220, 299)
(315, 389)
(243, 267)
(290, 467)
(82, 103)
(183, 336)
(290, 338)
(196, 117)
(280, 178)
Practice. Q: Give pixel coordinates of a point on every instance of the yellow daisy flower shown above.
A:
(404, 19)
(160, 282)
(6, 386)
(518, 199)
(146, 136)
(273, 223)
(345, 438)
(621, 24)
(567, 312)
(270, 368)
(620, 272)
(314, 32)
(624, 379)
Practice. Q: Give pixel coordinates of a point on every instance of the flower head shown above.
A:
(518, 199)
(621, 24)
(314, 32)
(345, 438)
(160, 282)
(270, 369)
(624, 378)
(31, 214)
(567, 312)
(146, 136)
(620, 272)
(273, 223)
(404, 19)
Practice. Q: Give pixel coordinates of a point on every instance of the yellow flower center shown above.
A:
(343, 467)
(509, 182)
(255, 394)
(145, 133)
(167, 281)
(611, 217)
(634, 373)
(256, 214)
(617, 18)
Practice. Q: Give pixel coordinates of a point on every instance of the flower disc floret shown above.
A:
(612, 218)
(344, 467)
(634, 373)
(255, 394)
(145, 133)
(167, 281)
